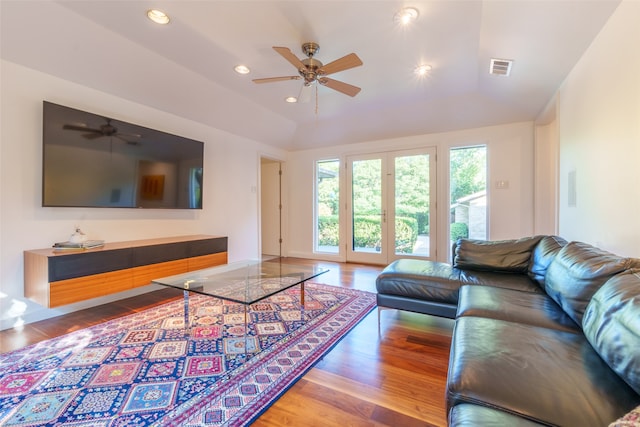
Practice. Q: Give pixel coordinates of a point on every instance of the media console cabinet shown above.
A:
(55, 278)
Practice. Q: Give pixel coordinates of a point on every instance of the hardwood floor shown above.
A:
(395, 378)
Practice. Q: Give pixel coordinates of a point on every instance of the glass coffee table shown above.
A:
(244, 282)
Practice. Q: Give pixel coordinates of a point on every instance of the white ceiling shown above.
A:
(186, 67)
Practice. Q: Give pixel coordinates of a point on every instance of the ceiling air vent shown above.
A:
(500, 67)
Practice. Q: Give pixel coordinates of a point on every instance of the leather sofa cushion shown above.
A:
(577, 272)
(434, 308)
(498, 255)
(541, 257)
(425, 280)
(468, 415)
(545, 375)
(611, 323)
(499, 280)
(514, 306)
(440, 282)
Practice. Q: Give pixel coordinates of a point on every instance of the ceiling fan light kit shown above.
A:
(312, 70)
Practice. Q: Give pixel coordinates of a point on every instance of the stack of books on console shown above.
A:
(87, 244)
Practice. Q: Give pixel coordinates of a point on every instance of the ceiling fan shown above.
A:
(104, 130)
(312, 70)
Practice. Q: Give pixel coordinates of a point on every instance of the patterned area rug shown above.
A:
(147, 369)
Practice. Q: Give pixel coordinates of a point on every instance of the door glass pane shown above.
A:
(412, 205)
(327, 206)
(468, 193)
(367, 205)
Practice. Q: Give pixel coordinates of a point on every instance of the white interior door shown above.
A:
(270, 208)
(391, 206)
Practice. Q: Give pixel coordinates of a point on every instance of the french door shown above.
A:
(391, 206)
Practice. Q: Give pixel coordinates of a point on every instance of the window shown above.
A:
(468, 192)
(327, 206)
(195, 188)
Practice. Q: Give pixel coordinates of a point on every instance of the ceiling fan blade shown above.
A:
(289, 56)
(276, 79)
(344, 63)
(132, 135)
(81, 128)
(119, 136)
(345, 88)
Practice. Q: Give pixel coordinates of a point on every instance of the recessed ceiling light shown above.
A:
(422, 70)
(406, 15)
(242, 69)
(291, 99)
(158, 16)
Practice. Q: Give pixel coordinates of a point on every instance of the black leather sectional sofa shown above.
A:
(546, 332)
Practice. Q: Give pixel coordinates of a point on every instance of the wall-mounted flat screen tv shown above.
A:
(90, 160)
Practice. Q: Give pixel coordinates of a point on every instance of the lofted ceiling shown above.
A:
(187, 67)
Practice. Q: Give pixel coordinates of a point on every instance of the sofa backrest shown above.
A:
(611, 323)
(541, 257)
(509, 256)
(577, 272)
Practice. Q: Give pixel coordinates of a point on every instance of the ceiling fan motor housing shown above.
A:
(108, 130)
(310, 72)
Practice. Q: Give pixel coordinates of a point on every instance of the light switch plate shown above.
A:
(502, 184)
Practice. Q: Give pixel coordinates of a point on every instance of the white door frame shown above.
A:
(386, 254)
(271, 214)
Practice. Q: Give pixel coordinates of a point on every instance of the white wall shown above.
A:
(546, 181)
(510, 158)
(230, 197)
(599, 133)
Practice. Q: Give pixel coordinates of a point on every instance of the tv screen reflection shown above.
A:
(95, 161)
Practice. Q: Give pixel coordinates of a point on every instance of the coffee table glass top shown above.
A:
(245, 282)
